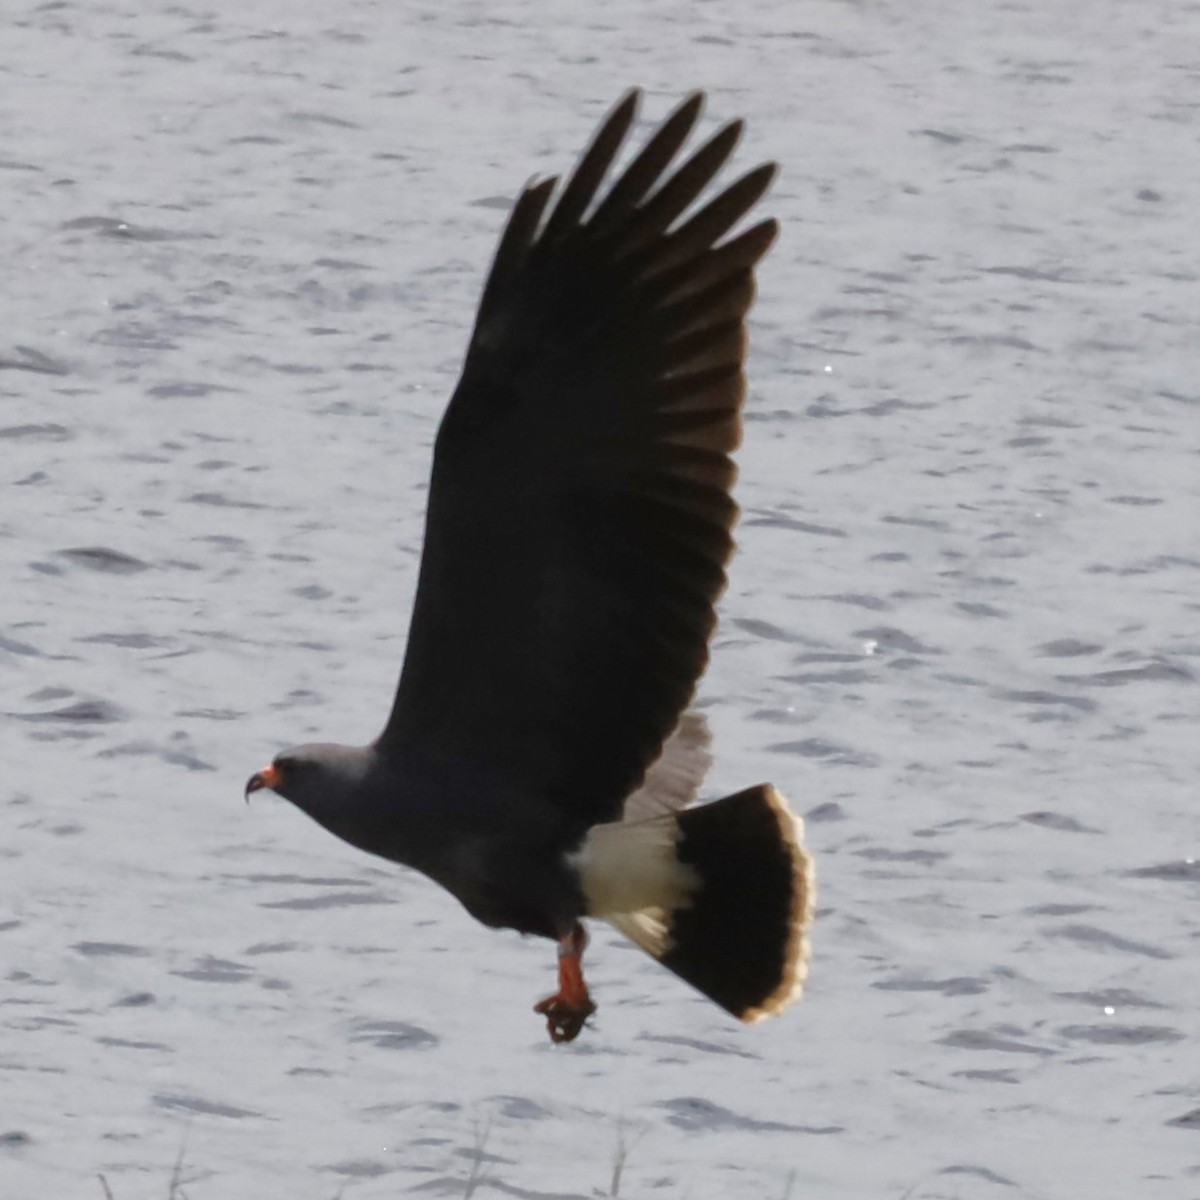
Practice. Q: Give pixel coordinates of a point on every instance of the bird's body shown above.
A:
(498, 849)
(539, 761)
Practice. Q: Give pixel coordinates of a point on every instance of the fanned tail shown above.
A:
(721, 894)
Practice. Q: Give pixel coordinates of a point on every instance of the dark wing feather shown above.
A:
(580, 515)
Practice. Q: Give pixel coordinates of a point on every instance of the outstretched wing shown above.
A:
(579, 512)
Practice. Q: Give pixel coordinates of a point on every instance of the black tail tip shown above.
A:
(742, 939)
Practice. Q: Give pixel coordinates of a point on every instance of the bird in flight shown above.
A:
(540, 760)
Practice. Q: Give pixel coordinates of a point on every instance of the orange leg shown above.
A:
(568, 1009)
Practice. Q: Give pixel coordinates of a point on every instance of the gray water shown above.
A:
(241, 248)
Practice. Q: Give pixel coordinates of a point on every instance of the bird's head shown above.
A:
(318, 779)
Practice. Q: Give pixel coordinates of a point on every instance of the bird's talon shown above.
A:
(565, 1018)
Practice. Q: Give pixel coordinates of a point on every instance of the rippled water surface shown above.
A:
(241, 247)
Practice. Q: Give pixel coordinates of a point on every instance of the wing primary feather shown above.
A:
(702, 231)
(738, 254)
(728, 299)
(700, 430)
(718, 389)
(518, 236)
(699, 499)
(704, 348)
(681, 189)
(647, 168)
(593, 166)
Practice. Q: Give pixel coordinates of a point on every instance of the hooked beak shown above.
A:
(266, 778)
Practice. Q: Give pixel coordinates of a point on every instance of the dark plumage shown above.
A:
(578, 528)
